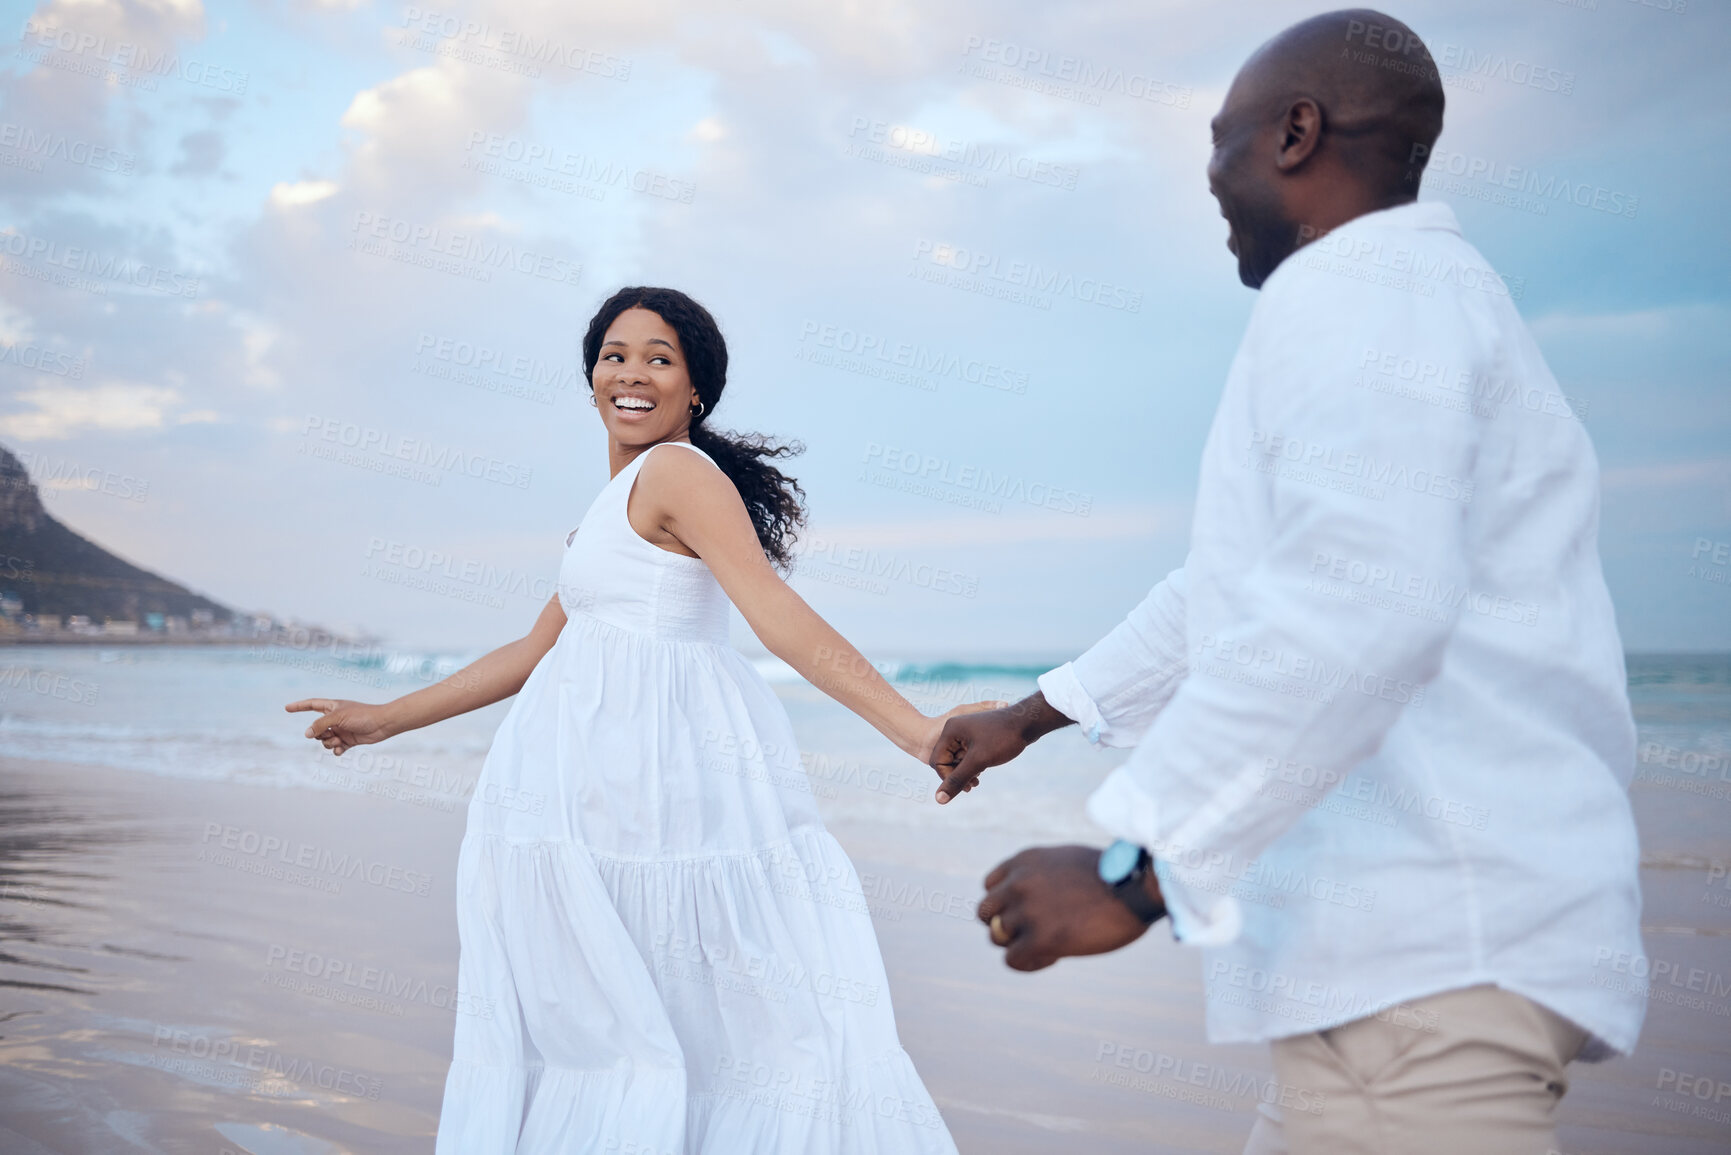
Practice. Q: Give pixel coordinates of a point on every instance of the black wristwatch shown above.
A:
(1123, 867)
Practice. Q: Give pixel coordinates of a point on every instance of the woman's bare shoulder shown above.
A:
(683, 469)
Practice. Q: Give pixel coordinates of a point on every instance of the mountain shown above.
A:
(52, 570)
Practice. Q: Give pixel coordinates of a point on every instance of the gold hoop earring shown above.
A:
(698, 409)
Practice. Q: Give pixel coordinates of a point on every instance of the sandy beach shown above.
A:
(171, 986)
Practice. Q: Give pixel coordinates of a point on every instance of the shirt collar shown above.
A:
(1415, 215)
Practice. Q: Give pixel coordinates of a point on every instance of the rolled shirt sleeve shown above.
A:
(1115, 689)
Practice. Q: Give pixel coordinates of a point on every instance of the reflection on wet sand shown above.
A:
(51, 864)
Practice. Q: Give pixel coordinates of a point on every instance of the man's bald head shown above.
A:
(1336, 115)
(1379, 89)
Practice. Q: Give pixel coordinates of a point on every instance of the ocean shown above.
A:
(215, 713)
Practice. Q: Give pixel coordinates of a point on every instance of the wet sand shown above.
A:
(158, 990)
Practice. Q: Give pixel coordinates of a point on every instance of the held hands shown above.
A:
(979, 741)
(343, 724)
(1048, 903)
(924, 742)
(970, 745)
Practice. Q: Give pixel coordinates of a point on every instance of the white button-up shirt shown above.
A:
(1383, 738)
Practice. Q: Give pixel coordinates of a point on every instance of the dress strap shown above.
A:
(686, 444)
(629, 476)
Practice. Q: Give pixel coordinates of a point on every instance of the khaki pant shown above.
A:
(1476, 1071)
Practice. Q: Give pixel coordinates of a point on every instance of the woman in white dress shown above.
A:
(678, 955)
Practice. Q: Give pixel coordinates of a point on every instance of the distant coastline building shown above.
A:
(50, 574)
(57, 586)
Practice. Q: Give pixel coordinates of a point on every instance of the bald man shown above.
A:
(1382, 738)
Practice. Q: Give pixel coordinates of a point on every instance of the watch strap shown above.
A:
(1130, 891)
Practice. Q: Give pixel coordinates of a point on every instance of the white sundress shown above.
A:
(663, 950)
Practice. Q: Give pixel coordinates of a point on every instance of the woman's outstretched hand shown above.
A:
(342, 723)
(927, 740)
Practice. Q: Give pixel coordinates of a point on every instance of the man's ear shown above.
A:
(1300, 134)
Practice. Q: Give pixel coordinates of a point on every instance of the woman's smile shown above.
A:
(633, 406)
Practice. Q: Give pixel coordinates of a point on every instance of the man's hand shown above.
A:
(924, 745)
(977, 742)
(1051, 904)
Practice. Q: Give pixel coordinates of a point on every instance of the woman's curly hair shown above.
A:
(774, 500)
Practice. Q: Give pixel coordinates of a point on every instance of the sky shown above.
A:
(291, 293)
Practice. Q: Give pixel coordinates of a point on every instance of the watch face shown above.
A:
(1118, 860)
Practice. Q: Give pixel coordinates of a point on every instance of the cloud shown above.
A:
(201, 153)
(61, 411)
(259, 341)
(362, 114)
(70, 87)
(409, 134)
(292, 195)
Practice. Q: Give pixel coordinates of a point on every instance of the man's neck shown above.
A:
(1337, 210)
